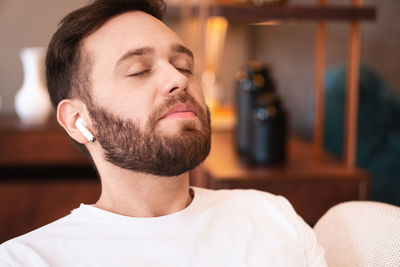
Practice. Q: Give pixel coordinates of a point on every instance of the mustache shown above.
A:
(172, 101)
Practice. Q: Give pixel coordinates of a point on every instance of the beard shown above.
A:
(148, 150)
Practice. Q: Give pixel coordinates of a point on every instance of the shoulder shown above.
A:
(249, 202)
(26, 247)
(245, 198)
(266, 215)
(263, 216)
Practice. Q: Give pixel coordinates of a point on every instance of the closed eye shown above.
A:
(186, 71)
(140, 73)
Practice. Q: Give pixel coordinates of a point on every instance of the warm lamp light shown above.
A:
(275, 23)
(215, 41)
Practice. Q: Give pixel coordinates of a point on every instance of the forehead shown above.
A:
(127, 31)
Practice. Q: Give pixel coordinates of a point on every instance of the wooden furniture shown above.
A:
(311, 182)
(27, 204)
(320, 13)
(250, 14)
(37, 145)
(311, 179)
(42, 176)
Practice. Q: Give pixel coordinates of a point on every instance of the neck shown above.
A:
(142, 195)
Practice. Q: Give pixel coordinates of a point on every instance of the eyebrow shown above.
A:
(146, 50)
(178, 48)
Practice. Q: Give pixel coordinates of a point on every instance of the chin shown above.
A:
(181, 126)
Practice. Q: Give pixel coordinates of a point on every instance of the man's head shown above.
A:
(115, 64)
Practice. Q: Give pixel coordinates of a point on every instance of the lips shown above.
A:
(180, 111)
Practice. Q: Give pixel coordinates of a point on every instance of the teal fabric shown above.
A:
(378, 136)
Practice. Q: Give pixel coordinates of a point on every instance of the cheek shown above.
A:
(198, 94)
(135, 109)
(138, 113)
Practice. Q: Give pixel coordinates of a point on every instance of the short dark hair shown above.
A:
(67, 72)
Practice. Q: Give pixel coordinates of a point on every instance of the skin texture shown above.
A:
(137, 66)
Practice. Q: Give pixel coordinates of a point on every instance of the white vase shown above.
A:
(32, 102)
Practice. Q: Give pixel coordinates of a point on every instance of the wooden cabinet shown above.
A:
(42, 176)
(320, 13)
(312, 182)
(311, 179)
(37, 145)
(247, 14)
(27, 204)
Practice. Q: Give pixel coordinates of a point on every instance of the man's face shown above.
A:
(148, 111)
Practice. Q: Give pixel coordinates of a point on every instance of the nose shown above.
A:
(172, 80)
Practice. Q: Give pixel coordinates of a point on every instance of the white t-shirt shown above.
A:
(219, 228)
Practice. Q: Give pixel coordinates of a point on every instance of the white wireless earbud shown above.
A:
(81, 125)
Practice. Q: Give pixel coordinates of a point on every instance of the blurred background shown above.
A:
(42, 176)
(288, 49)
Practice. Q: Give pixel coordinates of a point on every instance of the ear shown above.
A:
(68, 112)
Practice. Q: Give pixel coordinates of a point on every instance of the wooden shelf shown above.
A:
(250, 14)
(353, 14)
(28, 205)
(37, 145)
(224, 164)
(312, 182)
(42, 176)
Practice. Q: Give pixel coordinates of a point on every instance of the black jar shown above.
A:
(261, 120)
(268, 131)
